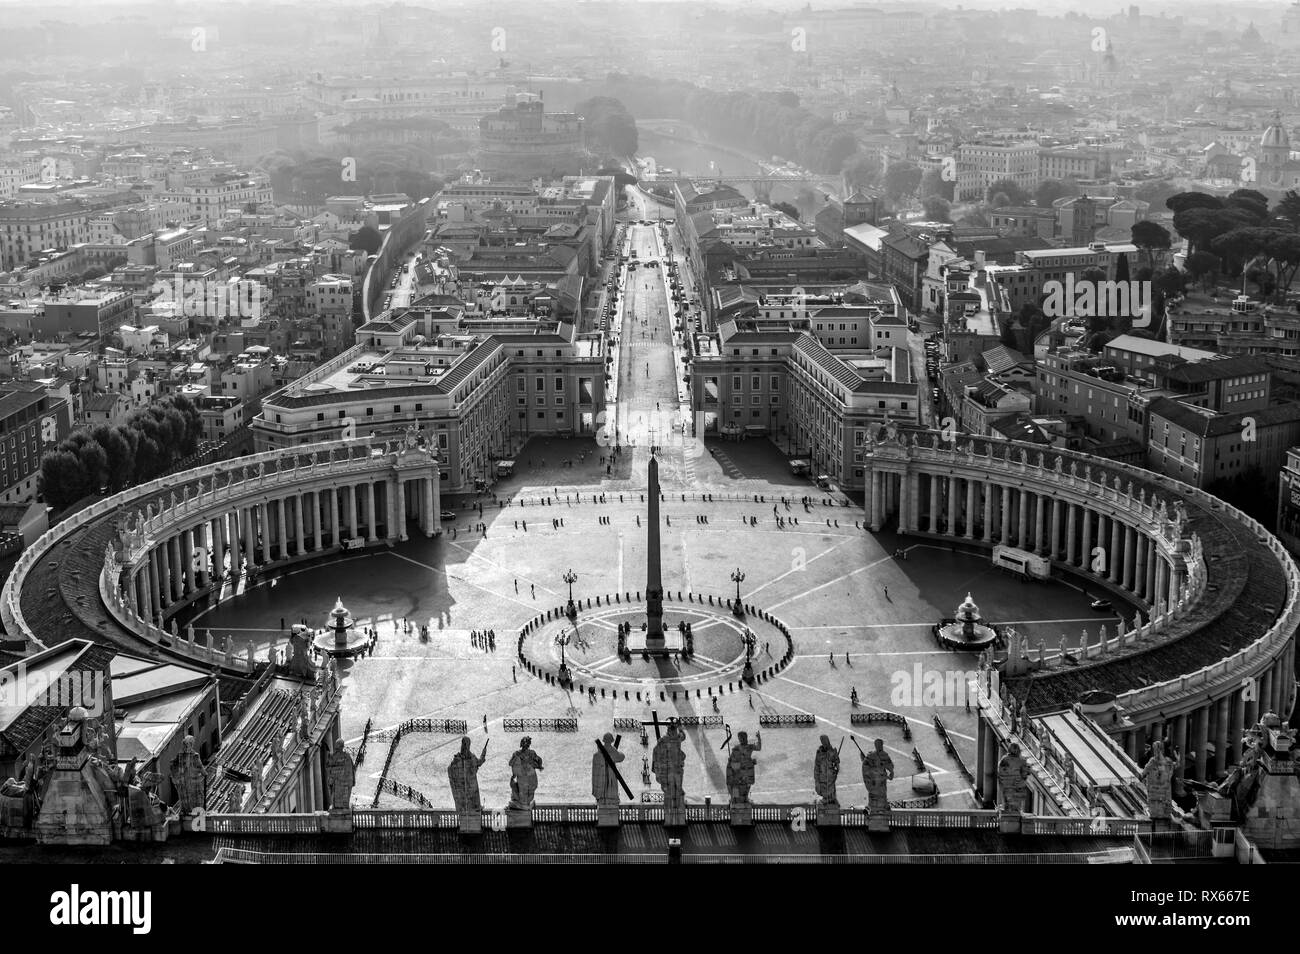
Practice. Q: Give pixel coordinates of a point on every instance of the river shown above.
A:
(697, 159)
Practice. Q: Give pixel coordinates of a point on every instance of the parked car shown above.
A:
(1101, 605)
(448, 515)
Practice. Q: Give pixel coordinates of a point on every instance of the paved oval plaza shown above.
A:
(839, 590)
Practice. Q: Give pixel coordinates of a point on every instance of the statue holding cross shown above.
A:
(668, 762)
(606, 779)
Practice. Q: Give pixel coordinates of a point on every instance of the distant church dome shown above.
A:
(1275, 136)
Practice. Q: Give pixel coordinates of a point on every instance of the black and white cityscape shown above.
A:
(650, 432)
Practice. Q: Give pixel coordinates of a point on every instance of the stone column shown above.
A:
(397, 492)
(187, 556)
(1006, 516)
(1022, 525)
(1116, 562)
(989, 787)
(372, 518)
(1266, 691)
(350, 508)
(299, 535)
(1153, 560)
(430, 525)
(1175, 583)
(236, 552)
(282, 525)
(906, 501)
(1126, 580)
(971, 507)
(1085, 555)
(1220, 763)
(219, 550)
(1040, 525)
(333, 523)
(264, 523)
(1236, 725)
(954, 507)
(988, 512)
(155, 588)
(1071, 534)
(1140, 580)
(317, 542)
(248, 517)
(934, 503)
(1200, 739)
(175, 569)
(1054, 545)
(1162, 582)
(1180, 739)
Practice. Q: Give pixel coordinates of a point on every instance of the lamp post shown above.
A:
(562, 640)
(737, 577)
(570, 577)
(750, 642)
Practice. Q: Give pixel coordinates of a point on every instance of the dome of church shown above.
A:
(1275, 136)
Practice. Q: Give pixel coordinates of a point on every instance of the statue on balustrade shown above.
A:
(668, 762)
(877, 771)
(462, 774)
(826, 770)
(1013, 770)
(1158, 774)
(188, 777)
(524, 766)
(342, 775)
(604, 772)
(741, 766)
(20, 799)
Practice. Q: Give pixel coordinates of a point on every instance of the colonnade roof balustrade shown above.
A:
(53, 592)
(1244, 585)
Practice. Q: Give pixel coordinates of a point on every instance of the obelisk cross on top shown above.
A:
(654, 587)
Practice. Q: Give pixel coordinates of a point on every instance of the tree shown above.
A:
(608, 126)
(1014, 193)
(1155, 192)
(937, 208)
(367, 239)
(787, 208)
(1203, 267)
(1184, 201)
(902, 178)
(1288, 209)
(1049, 190)
(1149, 236)
(862, 170)
(1201, 225)
(933, 183)
(1238, 246)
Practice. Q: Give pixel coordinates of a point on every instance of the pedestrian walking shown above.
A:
(848, 662)
(532, 590)
(886, 592)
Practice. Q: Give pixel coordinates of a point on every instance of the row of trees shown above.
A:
(311, 179)
(609, 128)
(767, 125)
(1240, 236)
(147, 444)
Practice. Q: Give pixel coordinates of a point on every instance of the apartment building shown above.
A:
(27, 228)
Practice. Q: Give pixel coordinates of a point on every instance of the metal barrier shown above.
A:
(540, 725)
(778, 721)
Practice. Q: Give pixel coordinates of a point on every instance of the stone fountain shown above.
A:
(968, 632)
(340, 638)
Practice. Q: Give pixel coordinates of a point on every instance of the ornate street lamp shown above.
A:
(570, 577)
(737, 577)
(562, 639)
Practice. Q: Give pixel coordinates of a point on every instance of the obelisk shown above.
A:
(654, 587)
